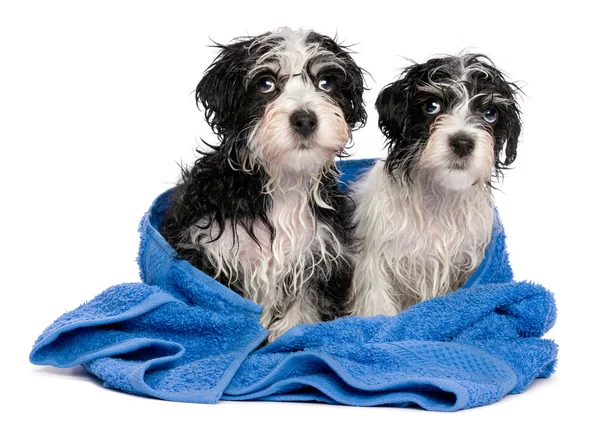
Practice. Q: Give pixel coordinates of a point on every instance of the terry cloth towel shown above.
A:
(180, 335)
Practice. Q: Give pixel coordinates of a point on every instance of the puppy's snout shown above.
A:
(462, 144)
(304, 122)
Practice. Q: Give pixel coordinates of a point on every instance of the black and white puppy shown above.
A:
(425, 214)
(261, 212)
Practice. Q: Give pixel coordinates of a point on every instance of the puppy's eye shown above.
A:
(266, 84)
(432, 106)
(326, 84)
(490, 115)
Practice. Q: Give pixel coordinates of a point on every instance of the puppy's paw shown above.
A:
(278, 328)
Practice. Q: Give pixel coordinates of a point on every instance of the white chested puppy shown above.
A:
(425, 214)
(261, 211)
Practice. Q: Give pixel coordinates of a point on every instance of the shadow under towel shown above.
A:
(180, 335)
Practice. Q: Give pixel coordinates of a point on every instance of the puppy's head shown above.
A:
(454, 119)
(283, 100)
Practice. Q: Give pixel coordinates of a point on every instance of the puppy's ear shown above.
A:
(512, 138)
(221, 88)
(392, 105)
(397, 121)
(354, 88)
(512, 116)
(513, 131)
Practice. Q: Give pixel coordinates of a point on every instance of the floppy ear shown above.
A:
(392, 105)
(221, 89)
(513, 129)
(509, 113)
(353, 90)
(396, 120)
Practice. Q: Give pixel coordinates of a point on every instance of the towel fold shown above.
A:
(180, 335)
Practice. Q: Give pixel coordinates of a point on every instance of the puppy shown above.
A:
(425, 215)
(261, 211)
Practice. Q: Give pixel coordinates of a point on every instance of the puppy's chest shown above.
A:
(456, 240)
(437, 253)
(293, 231)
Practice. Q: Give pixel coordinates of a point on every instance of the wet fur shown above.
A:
(261, 212)
(424, 216)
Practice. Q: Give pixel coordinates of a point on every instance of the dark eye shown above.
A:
(432, 106)
(326, 84)
(266, 84)
(490, 115)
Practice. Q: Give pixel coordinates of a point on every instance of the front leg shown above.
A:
(300, 310)
(372, 291)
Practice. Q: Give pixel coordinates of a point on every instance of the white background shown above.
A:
(96, 109)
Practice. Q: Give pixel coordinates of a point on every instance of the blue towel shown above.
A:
(180, 335)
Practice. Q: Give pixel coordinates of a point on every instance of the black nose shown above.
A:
(304, 122)
(462, 144)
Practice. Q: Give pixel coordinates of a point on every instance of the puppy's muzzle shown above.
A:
(462, 144)
(304, 122)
